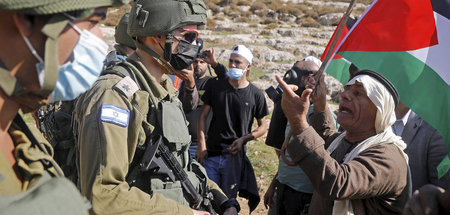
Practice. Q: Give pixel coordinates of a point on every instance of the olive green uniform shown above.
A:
(38, 188)
(29, 162)
(107, 147)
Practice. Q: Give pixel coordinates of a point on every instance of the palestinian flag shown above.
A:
(408, 42)
(339, 63)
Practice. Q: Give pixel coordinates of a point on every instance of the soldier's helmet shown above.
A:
(161, 17)
(49, 7)
(121, 36)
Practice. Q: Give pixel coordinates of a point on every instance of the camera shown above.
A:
(292, 76)
(278, 122)
(202, 54)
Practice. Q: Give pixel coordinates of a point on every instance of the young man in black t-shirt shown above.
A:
(201, 67)
(235, 102)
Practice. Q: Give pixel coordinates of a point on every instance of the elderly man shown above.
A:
(362, 170)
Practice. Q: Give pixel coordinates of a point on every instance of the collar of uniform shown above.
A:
(168, 85)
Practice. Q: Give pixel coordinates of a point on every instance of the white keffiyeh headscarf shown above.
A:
(383, 100)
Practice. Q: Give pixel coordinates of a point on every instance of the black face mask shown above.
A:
(185, 56)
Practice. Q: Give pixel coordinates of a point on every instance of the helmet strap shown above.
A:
(168, 47)
(155, 55)
(52, 29)
(9, 84)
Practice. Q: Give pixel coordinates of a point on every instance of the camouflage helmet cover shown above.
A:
(160, 17)
(46, 7)
(121, 36)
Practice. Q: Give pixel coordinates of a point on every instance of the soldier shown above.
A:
(131, 132)
(38, 36)
(124, 43)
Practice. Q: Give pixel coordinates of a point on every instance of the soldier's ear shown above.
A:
(23, 23)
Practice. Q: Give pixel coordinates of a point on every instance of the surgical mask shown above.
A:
(77, 76)
(235, 73)
(185, 56)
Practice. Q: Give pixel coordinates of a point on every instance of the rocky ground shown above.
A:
(276, 46)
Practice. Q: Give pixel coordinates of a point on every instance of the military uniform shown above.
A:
(114, 118)
(36, 168)
(29, 159)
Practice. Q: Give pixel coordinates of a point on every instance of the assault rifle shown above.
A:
(158, 158)
(46, 122)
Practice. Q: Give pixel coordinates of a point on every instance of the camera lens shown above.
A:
(274, 93)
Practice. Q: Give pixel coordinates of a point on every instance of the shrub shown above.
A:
(265, 32)
(326, 9)
(257, 5)
(246, 13)
(224, 3)
(242, 19)
(244, 3)
(304, 7)
(219, 18)
(295, 12)
(210, 24)
(276, 5)
(261, 13)
(309, 22)
(272, 26)
(311, 13)
(268, 21)
(213, 7)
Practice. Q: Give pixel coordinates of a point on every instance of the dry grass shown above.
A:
(268, 21)
(242, 19)
(275, 5)
(115, 14)
(309, 22)
(257, 5)
(210, 24)
(326, 9)
(244, 3)
(213, 7)
(272, 26)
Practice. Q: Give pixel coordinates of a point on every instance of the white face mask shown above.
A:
(235, 73)
(77, 76)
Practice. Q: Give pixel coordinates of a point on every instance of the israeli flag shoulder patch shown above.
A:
(115, 115)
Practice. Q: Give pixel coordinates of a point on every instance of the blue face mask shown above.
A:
(77, 76)
(235, 73)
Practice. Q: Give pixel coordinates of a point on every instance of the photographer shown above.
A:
(193, 108)
(290, 191)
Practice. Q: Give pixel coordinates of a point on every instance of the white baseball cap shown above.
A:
(244, 52)
(313, 59)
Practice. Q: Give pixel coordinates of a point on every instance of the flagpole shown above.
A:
(335, 39)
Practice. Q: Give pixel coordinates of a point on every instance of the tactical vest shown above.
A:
(169, 121)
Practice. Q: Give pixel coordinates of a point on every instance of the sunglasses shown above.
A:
(189, 35)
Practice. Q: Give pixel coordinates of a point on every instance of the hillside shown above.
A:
(278, 33)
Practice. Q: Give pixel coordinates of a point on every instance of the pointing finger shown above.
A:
(287, 89)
